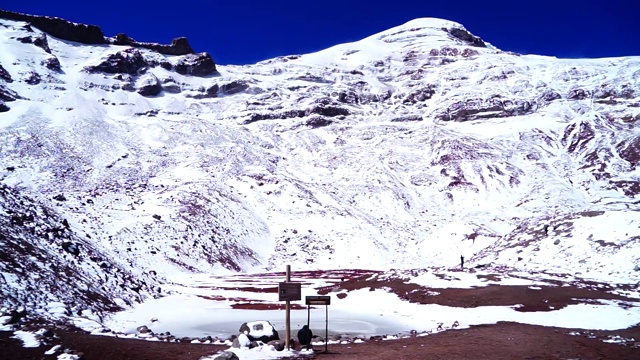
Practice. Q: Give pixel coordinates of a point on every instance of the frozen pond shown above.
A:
(217, 306)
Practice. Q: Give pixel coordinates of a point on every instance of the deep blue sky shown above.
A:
(242, 32)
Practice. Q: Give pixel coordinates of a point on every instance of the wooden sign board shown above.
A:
(289, 291)
(318, 300)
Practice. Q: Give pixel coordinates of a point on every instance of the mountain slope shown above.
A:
(405, 149)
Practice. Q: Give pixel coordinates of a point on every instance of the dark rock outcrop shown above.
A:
(60, 28)
(4, 75)
(178, 46)
(52, 63)
(196, 64)
(3, 107)
(129, 61)
(465, 36)
(7, 94)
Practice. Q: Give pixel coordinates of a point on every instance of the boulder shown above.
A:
(196, 64)
(3, 107)
(259, 331)
(149, 85)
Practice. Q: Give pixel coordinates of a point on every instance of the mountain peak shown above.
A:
(433, 28)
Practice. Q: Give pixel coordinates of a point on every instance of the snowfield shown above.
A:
(137, 186)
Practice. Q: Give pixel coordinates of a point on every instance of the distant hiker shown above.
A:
(304, 336)
(461, 262)
(546, 229)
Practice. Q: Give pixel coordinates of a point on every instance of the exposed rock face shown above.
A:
(3, 107)
(178, 46)
(60, 28)
(466, 36)
(39, 41)
(129, 61)
(196, 64)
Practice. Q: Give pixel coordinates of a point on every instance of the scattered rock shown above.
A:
(277, 344)
(60, 197)
(241, 342)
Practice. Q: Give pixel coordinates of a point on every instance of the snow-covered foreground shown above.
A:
(205, 306)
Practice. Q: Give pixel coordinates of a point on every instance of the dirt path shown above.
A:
(496, 342)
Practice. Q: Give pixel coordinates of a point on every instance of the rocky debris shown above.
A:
(200, 64)
(277, 344)
(129, 61)
(60, 28)
(233, 87)
(39, 41)
(227, 355)
(420, 95)
(466, 36)
(3, 107)
(407, 118)
(178, 46)
(259, 331)
(52, 63)
(494, 107)
(32, 78)
(149, 85)
(328, 111)
(4, 74)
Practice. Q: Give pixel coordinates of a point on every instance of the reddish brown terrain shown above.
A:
(503, 340)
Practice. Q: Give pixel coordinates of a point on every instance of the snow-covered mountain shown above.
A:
(124, 165)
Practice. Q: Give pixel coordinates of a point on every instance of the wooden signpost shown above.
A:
(288, 291)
